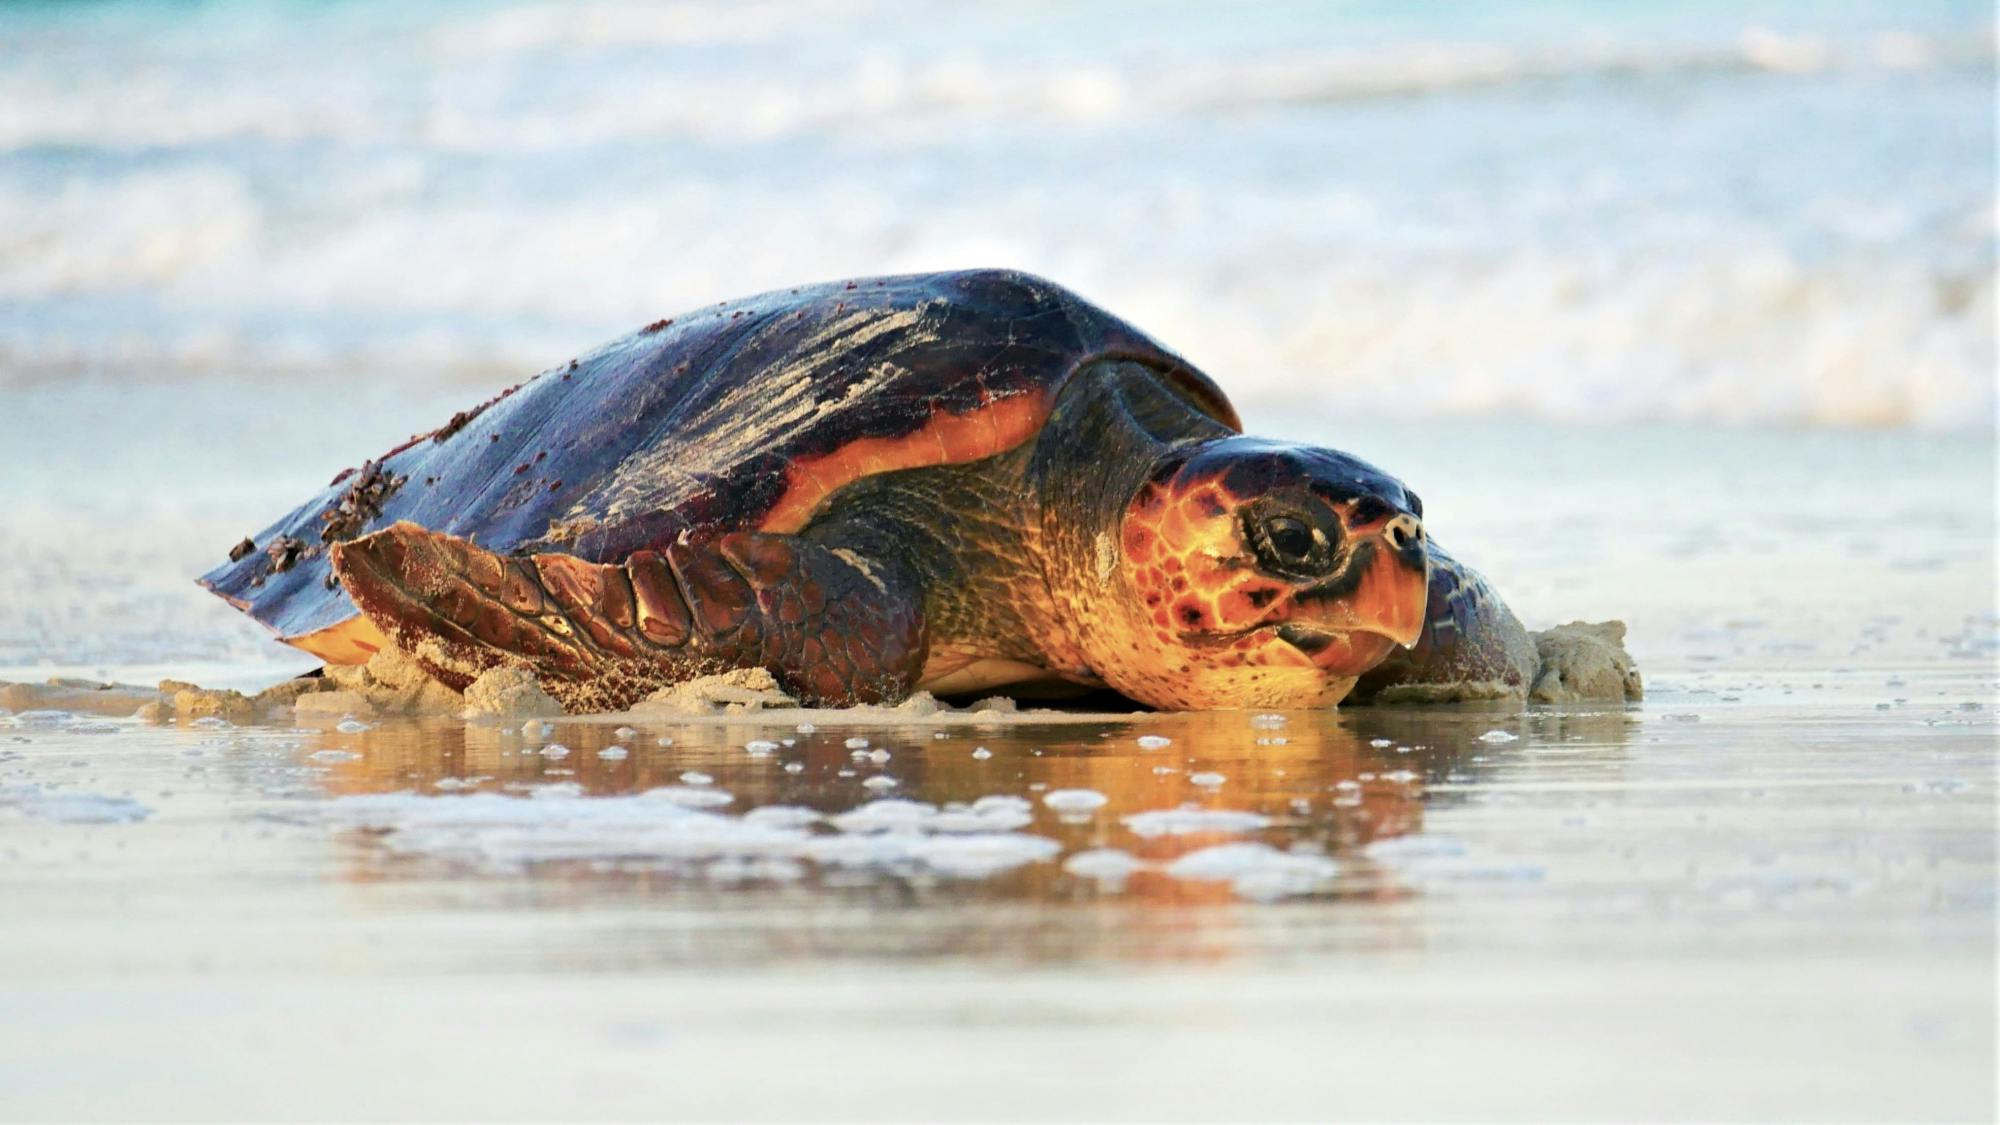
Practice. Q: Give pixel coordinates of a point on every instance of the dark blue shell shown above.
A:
(689, 424)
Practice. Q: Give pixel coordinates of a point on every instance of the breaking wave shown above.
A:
(1661, 215)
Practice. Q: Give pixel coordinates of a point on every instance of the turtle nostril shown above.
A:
(1403, 533)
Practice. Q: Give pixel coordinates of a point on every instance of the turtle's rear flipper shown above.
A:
(602, 637)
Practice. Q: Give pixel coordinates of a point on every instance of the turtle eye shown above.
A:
(1287, 543)
(1290, 538)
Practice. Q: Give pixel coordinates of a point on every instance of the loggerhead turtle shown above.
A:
(947, 482)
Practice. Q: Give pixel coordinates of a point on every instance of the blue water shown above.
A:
(1777, 212)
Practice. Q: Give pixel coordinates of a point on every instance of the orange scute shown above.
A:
(946, 439)
(352, 641)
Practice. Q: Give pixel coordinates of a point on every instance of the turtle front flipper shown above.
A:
(1472, 646)
(832, 629)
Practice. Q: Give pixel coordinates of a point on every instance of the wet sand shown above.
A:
(1764, 892)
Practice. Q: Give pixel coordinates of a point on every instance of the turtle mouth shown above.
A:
(1345, 652)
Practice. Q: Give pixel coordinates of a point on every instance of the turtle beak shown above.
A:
(1395, 587)
(1372, 606)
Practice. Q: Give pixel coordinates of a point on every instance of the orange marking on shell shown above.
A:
(947, 439)
(352, 641)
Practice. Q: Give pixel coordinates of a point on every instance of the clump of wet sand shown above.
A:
(1585, 661)
(507, 693)
(390, 684)
(734, 692)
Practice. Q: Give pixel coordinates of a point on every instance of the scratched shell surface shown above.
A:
(690, 424)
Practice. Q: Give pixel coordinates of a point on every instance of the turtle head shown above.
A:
(1263, 574)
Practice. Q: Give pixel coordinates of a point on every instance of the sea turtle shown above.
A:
(947, 482)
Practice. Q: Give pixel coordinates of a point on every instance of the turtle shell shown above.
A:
(744, 415)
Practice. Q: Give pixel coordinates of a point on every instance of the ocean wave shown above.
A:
(551, 78)
(1661, 216)
(1720, 338)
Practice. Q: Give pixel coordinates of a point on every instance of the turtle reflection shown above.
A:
(1307, 784)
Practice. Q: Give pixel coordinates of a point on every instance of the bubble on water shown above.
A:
(333, 756)
(741, 869)
(761, 746)
(783, 816)
(795, 767)
(878, 756)
(1255, 871)
(71, 808)
(1381, 743)
(1267, 721)
(664, 741)
(1181, 822)
(1074, 800)
(46, 718)
(1498, 736)
(535, 730)
(879, 782)
(856, 743)
(805, 728)
(613, 753)
(1422, 846)
(554, 751)
(1107, 864)
(352, 726)
(1207, 779)
(1154, 742)
(981, 753)
(690, 796)
(891, 814)
(625, 734)
(696, 777)
(999, 813)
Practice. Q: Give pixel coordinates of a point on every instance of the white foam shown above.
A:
(1255, 871)
(489, 829)
(62, 807)
(689, 796)
(886, 815)
(1181, 822)
(1074, 800)
(1108, 864)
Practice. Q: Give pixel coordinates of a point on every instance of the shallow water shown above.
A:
(1767, 891)
(1700, 906)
